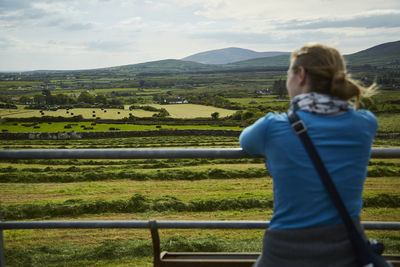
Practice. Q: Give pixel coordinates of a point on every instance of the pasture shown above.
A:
(20, 127)
(87, 113)
(175, 110)
(170, 189)
(387, 122)
(188, 111)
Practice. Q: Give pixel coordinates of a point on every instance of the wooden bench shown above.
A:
(209, 259)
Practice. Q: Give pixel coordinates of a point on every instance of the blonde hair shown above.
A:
(326, 71)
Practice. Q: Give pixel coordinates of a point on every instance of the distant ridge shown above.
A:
(387, 54)
(229, 55)
(386, 49)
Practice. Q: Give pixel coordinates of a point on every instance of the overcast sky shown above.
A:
(82, 34)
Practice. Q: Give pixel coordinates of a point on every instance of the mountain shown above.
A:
(166, 66)
(229, 55)
(238, 59)
(383, 55)
(281, 61)
(387, 54)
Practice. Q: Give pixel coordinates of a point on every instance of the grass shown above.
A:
(14, 127)
(188, 111)
(40, 193)
(130, 142)
(86, 113)
(176, 111)
(123, 247)
(389, 122)
(265, 99)
(19, 193)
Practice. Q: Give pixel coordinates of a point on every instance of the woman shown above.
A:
(305, 229)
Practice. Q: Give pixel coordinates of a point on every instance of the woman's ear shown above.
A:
(302, 75)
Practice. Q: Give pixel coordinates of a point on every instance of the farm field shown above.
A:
(129, 142)
(188, 111)
(175, 110)
(174, 189)
(13, 127)
(387, 123)
(270, 99)
(86, 113)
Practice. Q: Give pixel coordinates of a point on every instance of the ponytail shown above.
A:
(326, 71)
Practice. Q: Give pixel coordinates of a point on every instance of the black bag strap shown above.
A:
(357, 241)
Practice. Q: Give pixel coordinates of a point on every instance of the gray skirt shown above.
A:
(318, 246)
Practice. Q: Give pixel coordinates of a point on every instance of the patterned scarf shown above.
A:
(319, 103)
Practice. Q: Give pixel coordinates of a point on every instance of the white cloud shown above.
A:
(369, 19)
(109, 46)
(283, 9)
(68, 34)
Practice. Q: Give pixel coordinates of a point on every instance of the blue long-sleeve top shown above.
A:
(344, 144)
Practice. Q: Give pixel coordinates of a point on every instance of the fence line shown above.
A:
(15, 225)
(151, 153)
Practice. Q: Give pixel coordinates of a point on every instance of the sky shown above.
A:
(87, 34)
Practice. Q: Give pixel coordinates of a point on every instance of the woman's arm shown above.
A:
(252, 138)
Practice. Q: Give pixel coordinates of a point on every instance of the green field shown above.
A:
(165, 189)
(188, 111)
(15, 127)
(176, 111)
(266, 99)
(387, 122)
(171, 189)
(86, 113)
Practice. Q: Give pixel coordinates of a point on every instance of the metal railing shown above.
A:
(228, 153)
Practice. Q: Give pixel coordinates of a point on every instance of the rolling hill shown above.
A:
(167, 65)
(387, 54)
(229, 55)
(383, 55)
(238, 59)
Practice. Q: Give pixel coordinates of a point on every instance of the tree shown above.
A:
(85, 97)
(132, 100)
(46, 92)
(237, 115)
(24, 100)
(116, 102)
(102, 99)
(279, 88)
(39, 99)
(162, 113)
(247, 115)
(5, 99)
(215, 115)
(63, 99)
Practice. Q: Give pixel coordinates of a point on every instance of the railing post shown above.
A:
(2, 248)
(156, 242)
